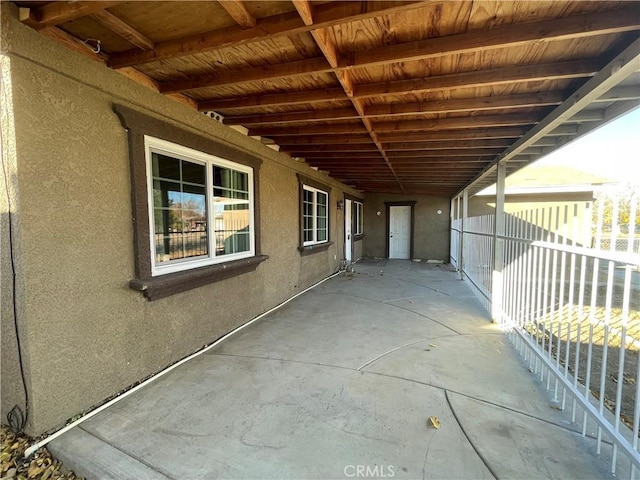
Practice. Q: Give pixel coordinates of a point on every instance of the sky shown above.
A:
(612, 151)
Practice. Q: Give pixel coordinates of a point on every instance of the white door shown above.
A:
(399, 231)
(348, 221)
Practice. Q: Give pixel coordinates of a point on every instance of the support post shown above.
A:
(463, 223)
(498, 246)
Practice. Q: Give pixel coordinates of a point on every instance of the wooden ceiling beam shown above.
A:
(453, 152)
(338, 128)
(478, 121)
(467, 104)
(452, 145)
(273, 99)
(331, 53)
(468, 134)
(611, 75)
(342, 156)
(453, 162)
(300, 150)
(73, 43)
(305, 10)
(141, 78)
(232, 77)
(439, 106)
(577, 26)
(238, 11)
(526, 73)
(292, 117)
(371, 170)
(482, 78)
(319, 65)
(402, 170)
(286, 24)
(312, 142)
(123, 30)
(55, 13)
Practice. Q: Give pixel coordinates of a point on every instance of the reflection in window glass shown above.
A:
(307, 215)
(358, 221)
(179, 208)
(231, 210)
(315, 223)
(322, 216)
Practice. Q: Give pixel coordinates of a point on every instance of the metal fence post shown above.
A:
(498, 246)
(463, 225)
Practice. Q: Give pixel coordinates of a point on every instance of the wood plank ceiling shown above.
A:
(415, 97)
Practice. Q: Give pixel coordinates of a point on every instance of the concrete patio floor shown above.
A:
(340, 383)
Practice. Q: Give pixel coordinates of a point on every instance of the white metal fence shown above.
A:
(571, 307)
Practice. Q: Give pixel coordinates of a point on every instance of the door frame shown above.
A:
(407, 203)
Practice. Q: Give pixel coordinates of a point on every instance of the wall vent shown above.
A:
(216, 116)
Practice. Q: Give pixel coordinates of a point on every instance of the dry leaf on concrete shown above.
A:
(434, 422)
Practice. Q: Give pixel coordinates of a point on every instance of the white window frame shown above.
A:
(163, 147)
(359, 223)
(315, 192)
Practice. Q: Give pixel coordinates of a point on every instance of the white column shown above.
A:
(498, 246)
(463, 224)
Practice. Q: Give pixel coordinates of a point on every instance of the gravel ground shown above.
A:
(41, 465)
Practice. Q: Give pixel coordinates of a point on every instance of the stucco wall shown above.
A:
(485, 205)
(550, 207)
(430, 232)
(86, 334)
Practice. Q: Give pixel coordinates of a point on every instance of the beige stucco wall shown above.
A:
(430, 233)
(485, 204)
(86, 335)
(544, 210)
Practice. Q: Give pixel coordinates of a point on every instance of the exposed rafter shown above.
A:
(440, 106)
(123, 29)
(623, 65)
(483, 78)
(238, 11)
(459, 122)
(285, 24)
(340, 85)
(571, 27)
(56, 13)
(233, 77)
(598, 23)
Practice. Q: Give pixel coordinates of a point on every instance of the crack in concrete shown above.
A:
(386, 302)
(475, 449)
(128, 454)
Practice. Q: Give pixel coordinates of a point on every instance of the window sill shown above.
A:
(311, 249)
(165, 285)
(360, 236)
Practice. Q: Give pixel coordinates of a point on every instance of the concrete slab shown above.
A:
(340, 383)
(490, 371)
(537, 449)
(336, 329)
(250, 418)
(91, 457)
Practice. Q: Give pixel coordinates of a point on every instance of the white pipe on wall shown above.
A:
(32, 449)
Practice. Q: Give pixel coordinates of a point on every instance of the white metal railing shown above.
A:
(456, 226)
(571, 307)
(477, 256)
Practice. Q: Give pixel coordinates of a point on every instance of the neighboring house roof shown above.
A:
(549, 179)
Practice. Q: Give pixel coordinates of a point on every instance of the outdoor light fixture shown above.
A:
(340, 204)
